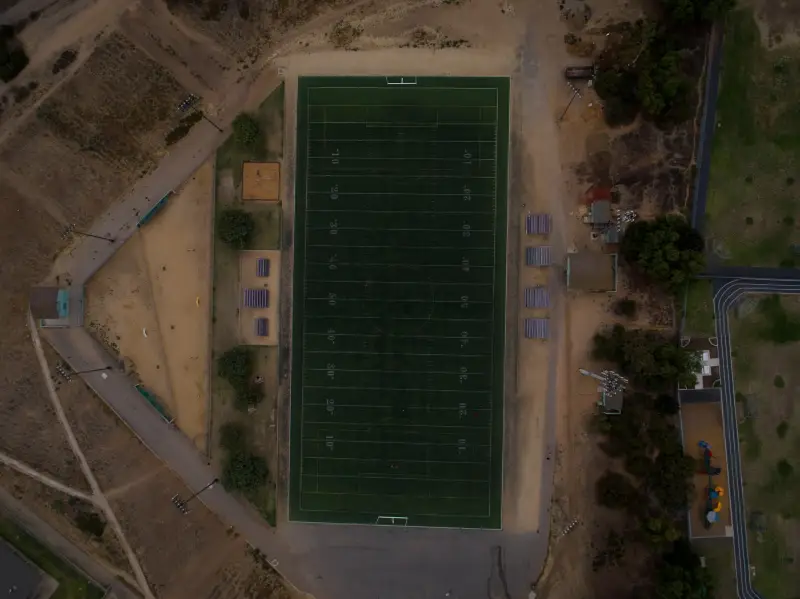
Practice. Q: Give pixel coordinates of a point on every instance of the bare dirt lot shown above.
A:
(150, 303)
(766, 340)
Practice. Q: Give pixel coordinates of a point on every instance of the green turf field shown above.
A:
(399, 301)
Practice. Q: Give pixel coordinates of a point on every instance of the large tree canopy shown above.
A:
(667, 250)
(649, 359)
(236, 227)
(696, 11)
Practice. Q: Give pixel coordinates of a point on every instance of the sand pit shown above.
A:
(150, 304)
(261, 181)
(703, 422)
(250, 280)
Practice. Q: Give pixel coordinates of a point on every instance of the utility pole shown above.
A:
(182, 505)
(189, 102)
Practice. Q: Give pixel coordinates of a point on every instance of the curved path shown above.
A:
(726, 296)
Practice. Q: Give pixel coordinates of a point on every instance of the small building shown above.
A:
(592, 271)
(50, 306)
(19, 579)
(610, 403)
(599, 215)
(261, 181)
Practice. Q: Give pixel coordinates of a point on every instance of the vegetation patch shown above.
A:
(66, 58)
(758, 131)
(236, 227)
(71, 584)
(12, 55)
(667, 250)
(237, 366)
(651, 360)
(700, 320)
(243, 470)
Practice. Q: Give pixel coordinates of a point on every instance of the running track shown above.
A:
(726, 295)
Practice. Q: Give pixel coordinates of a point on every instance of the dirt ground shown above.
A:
(767, 382)
(703, 422)
(184, 557)
(150, 304)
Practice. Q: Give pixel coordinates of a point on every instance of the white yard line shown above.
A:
(43, 478)
(99, 499)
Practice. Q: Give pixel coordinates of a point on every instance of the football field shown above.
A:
(399, 301)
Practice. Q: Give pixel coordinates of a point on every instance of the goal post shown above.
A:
(401, 81)
(391, 521)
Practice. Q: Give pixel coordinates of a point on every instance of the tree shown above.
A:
(244, 471)
(246, 130)
(659, 530)
(614, 490)
(236, 366)
(680, 575)
(667, 250)
(667, 404)
(696, 11)
(649, 359)
(13, 58)
(662, 88)
(617, 87)
(670, 481)
(236, 227)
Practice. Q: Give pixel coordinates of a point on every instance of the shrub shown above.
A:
(785, 469)
(236, 366)
(779, 382)
(236, 227)
(248, 396)
(90, 523)
(244, 471)
(667, 250)
(12, 57)
(246, 130)
(626, 307)
(782, 429)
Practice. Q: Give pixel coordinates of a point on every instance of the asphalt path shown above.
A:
(707, 126)
(727, 295)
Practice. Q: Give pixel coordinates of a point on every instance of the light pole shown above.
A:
(182, 504)
(189, 102)
(92, 370)
(71, 231)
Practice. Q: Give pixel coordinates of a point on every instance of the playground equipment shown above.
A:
(713, 492)
(707, 455)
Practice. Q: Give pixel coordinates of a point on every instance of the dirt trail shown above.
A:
(99, 499)
(43, 478)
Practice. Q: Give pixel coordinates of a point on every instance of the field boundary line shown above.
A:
(210, 309)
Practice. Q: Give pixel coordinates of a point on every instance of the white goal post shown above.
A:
(392, 521)
(401, 81)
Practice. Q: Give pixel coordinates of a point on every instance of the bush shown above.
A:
(12, 56)
(785, 469)
(615, 491)
(90, 523)
(236, 366)
(233, 437)
(244, 471)
(782, 429)
(667, 250)
(236, 227)
(667, 405)
(246, 130)
(625, 307)
(779, 382)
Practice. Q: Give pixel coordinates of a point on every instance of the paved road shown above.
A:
(727, 294)
(707, 127)
(104, 575)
